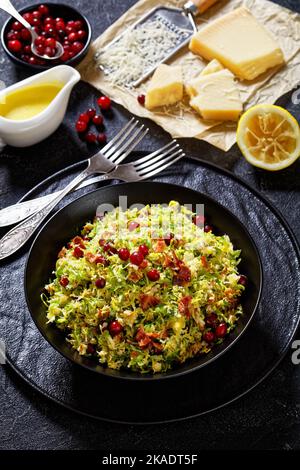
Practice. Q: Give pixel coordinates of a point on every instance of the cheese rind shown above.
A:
(165, 88)
(216, 97)
(240, 43)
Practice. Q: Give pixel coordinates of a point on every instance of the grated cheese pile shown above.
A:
(139, 50)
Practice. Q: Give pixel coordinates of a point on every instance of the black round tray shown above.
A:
(231, 376)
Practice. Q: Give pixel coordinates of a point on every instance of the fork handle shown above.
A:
(18, 236)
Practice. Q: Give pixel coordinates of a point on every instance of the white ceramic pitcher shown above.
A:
(28, 132)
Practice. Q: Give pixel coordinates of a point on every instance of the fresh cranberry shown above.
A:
(100, 283)
(144, 250)
(101, 138)
(104, 102)
(101, 260)
(27, 49)
(25, 34)
(136, 258)
(133, 226)
(61, 33)
(90, 138)
(14, 45)
(115, 328)
(72, 37)
(50, 42)
(49, 20)
(212, 320)
(40, 49)
(71, 23)
(124, 254)
(84, 117)
(141, 99)
(25, 57)
(209, 337)
(81, 126)
(98, 120)
(110, 249)
(208, 228)
(77, 47)
(64, 281)
(243, 280)
(78, 25)
(91, 112)
(36, 14)
(77, 252)
(17, 26)
(28, 17)
(36, 22)
(50, 51)
(221, 330)
(49, 28)
(153, 275)
(91, 349)
(81, 34)
(43, 9)
(58, 20)
(11, 35)
(69, 29)
(199, 220)
(64, 58)
(40, 41)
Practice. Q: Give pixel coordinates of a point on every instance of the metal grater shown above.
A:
(178, 20)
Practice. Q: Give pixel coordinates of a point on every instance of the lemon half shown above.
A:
(269, 137)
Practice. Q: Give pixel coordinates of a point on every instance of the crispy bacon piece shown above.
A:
(147, 301)
(204, 261)
(183, 276)
(184, 306)
(147, 340)
(98, 259)
(136, 276)
(160, 246)
(79, 242)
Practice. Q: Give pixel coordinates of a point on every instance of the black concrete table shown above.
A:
(268, 417)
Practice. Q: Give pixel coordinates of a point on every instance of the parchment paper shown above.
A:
(180, 120)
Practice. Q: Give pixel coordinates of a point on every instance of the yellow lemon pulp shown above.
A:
(29, 101)
(269, 137)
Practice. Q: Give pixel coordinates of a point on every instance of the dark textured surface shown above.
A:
(267, 418)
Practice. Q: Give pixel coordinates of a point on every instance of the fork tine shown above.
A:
(127, 143)
(124, 135)
(157, 152)
(117, 136)
(130, 146)
(160, 156)
(159, 163)
(160, 169)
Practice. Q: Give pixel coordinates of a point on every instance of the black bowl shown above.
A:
(66, 223)
(56, 10)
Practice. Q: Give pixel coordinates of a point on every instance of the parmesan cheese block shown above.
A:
(165, 88)
(240, 43)
(212, 67)
(216, 97)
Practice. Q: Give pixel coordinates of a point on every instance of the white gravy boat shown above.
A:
(28, 132)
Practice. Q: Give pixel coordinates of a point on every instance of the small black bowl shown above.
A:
(56, 10)
(65, 224)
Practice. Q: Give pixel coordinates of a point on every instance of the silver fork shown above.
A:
(110, 156)
(139, 170)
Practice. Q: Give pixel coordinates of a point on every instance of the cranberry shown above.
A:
(104, 102)
(72, 37)
(64, 281)
(27, 49)
(40, 49)
(36, 22)
(136, 258)
(168, 239)
(212, 320)
(69, 29)
(61, 33)
(59, 20)
(124, 254)
(14, 45)
(40, 41)
(144, 250)
(153, 275)
(101, 260)
(50, 42)
(221, 330)
(91, 112)
(109, 248)
(98, 120)
(81, 126)
(141, 99)
(36, 14)
(43, 9)
(91, 349)
(77, 252)
(28, 17)
(64, 58)
(208, 228)
(243, 280)
(209, 336)
(25, 57)
(49, 28)
(50, 51)
(84, 117)
(100, 283)
(25, 34)
(199, 220)
(77, 46)
(71, 23)
(90, 138)
(133, 226)
(78, 24)
(49, 20)
(11, 35)
(17, 26)
(115, 328)
(101, 138)
(81, 34)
